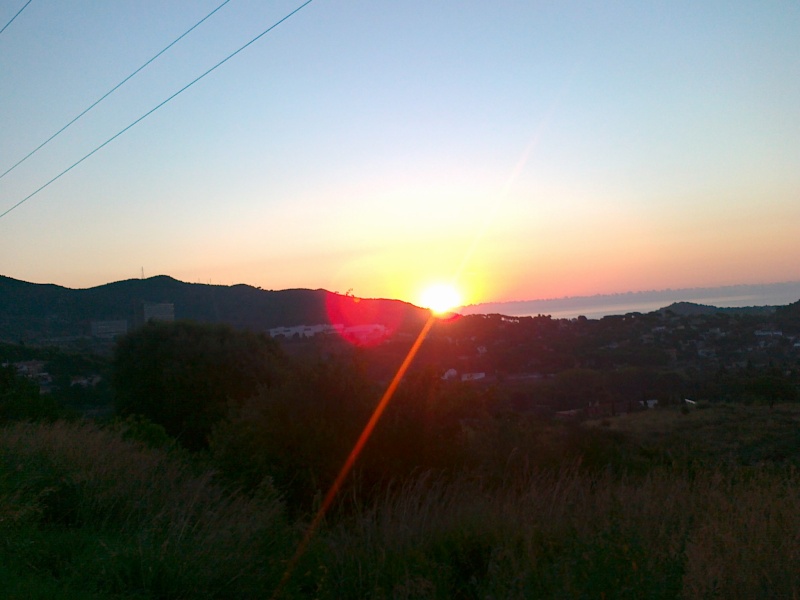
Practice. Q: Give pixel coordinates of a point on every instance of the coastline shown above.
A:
(601, 305)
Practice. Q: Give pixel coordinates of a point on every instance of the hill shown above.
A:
(686, 309)
(40, 313)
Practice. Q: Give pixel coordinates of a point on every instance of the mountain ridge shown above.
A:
(35, 312)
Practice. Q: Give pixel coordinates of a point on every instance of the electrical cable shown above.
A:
(15, 16)
(109, 92)
(152, 110)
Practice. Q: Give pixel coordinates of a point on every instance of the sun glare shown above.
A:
(440, 298)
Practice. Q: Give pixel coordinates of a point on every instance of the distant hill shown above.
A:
(35, 313)
(686, 309)
(749, 298)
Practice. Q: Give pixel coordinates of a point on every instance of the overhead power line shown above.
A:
(15, 16)
(109, 92)
(154, 109)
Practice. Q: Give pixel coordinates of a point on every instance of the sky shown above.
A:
(520, 150)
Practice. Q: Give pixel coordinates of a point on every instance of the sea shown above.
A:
(601, 305)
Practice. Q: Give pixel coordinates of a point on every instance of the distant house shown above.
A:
(158, 311)
(85, 381)
(472, 376)
(360, 334)
(450, 374)
(768, 333)
(304, 331)
(109, 329)
(34, 370)
(569, 414)
(365, 334)
(29, 368)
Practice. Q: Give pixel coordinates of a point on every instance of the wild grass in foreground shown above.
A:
(733, 534)
(85, 513)
(83, 510)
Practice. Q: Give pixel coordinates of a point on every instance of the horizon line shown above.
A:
(636, 292)
(628, 293)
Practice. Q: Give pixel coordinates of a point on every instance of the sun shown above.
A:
(440, 298)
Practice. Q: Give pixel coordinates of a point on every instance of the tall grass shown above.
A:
(85, 513)
(574, 535)
(82, 506)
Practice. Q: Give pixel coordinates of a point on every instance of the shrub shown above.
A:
(297, 433)
(182, 375)
(20, 399)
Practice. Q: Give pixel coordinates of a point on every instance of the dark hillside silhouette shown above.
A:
(692, 308)
(37, 312)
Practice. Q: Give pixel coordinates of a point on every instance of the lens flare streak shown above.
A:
(351, 459)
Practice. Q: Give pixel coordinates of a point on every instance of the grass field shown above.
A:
(740, 434)
(85, 513)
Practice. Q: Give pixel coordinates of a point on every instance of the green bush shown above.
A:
(297, 433)
(183, 375)
(20, 399)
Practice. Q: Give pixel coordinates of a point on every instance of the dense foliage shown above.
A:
(183, 375)
(20, 399)
(299, 432)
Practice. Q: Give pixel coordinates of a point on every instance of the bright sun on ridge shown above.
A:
(440, 298)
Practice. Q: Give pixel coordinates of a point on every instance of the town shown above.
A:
(552, 367)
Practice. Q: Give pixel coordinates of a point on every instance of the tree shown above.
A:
(20, 399)
(298, 432)
(183, 375)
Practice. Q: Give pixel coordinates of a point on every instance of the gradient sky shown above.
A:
(528, 149)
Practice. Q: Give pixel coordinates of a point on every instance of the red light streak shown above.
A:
(351, 459)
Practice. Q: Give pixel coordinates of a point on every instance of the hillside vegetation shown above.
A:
(451, 498)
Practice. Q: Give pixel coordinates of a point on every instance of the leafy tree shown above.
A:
(20, 398)
(298, 432)
(183, 375)
(771, 387)
(425, 427)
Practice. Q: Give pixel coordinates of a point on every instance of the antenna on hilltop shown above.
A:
(142, 272)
